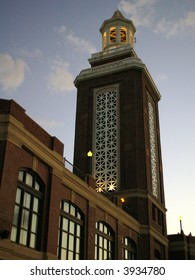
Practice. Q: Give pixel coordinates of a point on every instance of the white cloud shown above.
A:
(79, 44)
(12, 72)
(139, 11)
(60, 80)
(176, 27)
(161, 77)
(31, 54)
(45, 123)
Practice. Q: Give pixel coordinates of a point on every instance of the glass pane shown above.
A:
(78, 245)
(96, 238)
(78, 231)
(72, 210)
(25, 219)
(126, 255)
(37, 186)
(18, 195)
(63, 254)
(29, 179)
(96, 252)
(78, 215)
(110, 256)
(34, 223)
(32, 240)
(77, 257)
(105, 255)
(71, 242)
(109, 245)
(70, 255)
(100, 254)
(64, 240)
(13, 234)
(100, 241)
(100, 226)
(27, 199)
(21, 175)
(106, 229)
(16, 214)
(35, 204)
(66, 207)
(23, 237)
(105, 243)
(65, 224)
(71, 227)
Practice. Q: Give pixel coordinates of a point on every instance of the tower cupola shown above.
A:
(117, 32)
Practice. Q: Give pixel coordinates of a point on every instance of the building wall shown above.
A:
(135, 163)
(25, 145)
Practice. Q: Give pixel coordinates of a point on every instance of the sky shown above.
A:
(44, 44)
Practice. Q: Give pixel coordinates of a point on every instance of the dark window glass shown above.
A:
(129, 249)
(27, 211)
(70, 234)
(104, 242)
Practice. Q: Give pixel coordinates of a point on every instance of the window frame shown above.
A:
(30, 208)
(130, 249)
(74, 222)
(107, 238)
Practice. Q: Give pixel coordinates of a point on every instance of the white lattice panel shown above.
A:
(106, 140)
(153, 148)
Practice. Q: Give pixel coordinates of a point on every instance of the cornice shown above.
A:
(19, 136)
(114, 67)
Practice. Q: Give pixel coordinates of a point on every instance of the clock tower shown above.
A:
(117, 120)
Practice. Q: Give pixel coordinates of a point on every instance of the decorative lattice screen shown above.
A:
(106, 134)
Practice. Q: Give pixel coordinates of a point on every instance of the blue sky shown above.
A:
(45, 44)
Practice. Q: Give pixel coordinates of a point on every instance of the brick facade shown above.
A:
(22, 146)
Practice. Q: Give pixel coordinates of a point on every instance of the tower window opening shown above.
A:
(112, 34)
(123, 35)
(131, 38)
(104, 39)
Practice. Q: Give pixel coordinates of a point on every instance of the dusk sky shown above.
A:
(44, 44)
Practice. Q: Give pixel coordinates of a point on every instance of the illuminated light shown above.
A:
(89, 154)
(111, 188)
(122, 199)
(180, 218)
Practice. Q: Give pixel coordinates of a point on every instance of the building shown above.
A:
(117, 119)
(181, 246)
(112, 205)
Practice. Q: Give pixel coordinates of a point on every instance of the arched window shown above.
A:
(123, 35)
(70, 234)
(104, 242)
(104, 39)
(129, 249)
(27, 211)
(112, 34)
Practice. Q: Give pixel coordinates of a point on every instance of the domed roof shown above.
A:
(117, 17)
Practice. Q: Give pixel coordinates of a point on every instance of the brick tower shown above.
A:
(117, 120)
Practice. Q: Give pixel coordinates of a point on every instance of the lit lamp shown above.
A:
(122, 200)
(89, 155)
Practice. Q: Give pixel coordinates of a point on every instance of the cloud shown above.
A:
(12, 72)
(139, 11)
(161, 77)
(60, 80)
(79, 44)
(31, 54)
(171, 28)
(45, 123)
